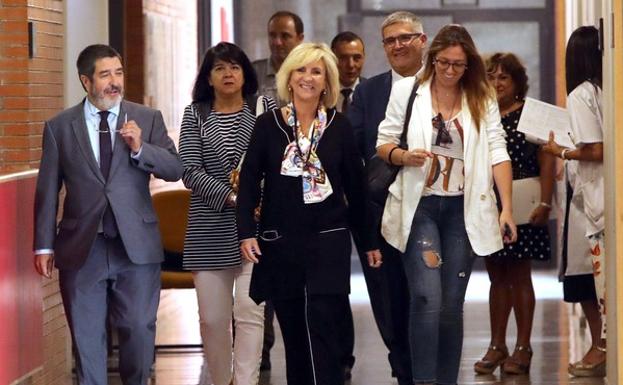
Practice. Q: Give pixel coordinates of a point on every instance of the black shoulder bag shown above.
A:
(381, 174)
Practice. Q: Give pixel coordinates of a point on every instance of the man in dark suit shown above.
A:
(107, 245)
(349, 50)
(404, 42)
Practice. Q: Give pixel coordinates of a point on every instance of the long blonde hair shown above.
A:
(474, 79)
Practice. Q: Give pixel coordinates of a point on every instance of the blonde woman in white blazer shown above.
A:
(442, 208)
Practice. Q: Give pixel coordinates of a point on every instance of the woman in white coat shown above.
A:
(583, 64)
(442, 208)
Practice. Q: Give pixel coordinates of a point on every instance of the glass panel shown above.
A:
(512, 3)
(169, 78)
(446, 3)
(379, 5)
(520, 38)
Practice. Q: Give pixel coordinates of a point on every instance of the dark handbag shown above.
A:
(381, 174)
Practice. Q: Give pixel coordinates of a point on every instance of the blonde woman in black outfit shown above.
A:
(306, 154)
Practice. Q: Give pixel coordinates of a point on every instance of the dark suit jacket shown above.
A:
(303, 245)
(68, 160)
(368, 110)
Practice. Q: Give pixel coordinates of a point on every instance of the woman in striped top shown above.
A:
(216, 129)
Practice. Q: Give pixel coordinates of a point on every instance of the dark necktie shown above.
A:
(108, 220)
(346, 102)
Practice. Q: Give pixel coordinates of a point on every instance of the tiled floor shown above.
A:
(552, 344)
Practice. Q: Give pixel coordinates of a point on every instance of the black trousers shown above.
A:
(310, 336)
(389, 299)
(346, 332)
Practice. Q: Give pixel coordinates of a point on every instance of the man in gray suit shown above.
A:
(107, 246)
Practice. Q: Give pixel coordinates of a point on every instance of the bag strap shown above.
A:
(252, 102)
(405, 128)
(203, 108)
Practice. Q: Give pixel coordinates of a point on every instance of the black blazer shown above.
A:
(367, 110)
(304, 246)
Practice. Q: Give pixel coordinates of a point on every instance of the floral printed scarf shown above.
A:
(300, 158)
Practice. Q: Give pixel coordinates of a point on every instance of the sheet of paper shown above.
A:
(539, 118)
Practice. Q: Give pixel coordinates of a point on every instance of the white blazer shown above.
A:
(481, 151)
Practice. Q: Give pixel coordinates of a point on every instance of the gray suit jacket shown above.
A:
(68, 159)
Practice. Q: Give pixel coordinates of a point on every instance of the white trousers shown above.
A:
(219, 293)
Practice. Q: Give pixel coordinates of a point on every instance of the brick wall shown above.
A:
(31, 91)
(15, 131)
(45, 78)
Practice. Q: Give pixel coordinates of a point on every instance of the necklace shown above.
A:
(439, 106)
(439, 123)
(304, 157)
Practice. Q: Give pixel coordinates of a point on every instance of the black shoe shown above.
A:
(265, 365)
(347, 373)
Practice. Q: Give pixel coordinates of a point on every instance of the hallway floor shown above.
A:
(553, 346)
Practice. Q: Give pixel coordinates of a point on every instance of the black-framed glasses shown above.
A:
(403, 39)
(445, 64)
(443, 135)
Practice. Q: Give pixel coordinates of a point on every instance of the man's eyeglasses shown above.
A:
(113, 130)
(443, 135)
(404, 39)
(445, 64)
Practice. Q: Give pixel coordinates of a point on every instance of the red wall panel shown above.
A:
(21, 308)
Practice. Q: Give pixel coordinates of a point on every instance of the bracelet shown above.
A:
(389, 157)
(545, 204)
(563, 153)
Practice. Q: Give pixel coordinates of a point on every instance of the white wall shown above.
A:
(581, 12)
(86, 23)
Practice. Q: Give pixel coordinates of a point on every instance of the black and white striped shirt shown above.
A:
(211, 148)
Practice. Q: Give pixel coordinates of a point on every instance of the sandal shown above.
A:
(582, 369)
(486, 366)
(514, 365)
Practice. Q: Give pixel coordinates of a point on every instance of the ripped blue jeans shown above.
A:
(438, 262)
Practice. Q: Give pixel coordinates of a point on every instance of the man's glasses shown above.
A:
(113, 130)
(404, 39)
(443, 135)
(445, 64)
